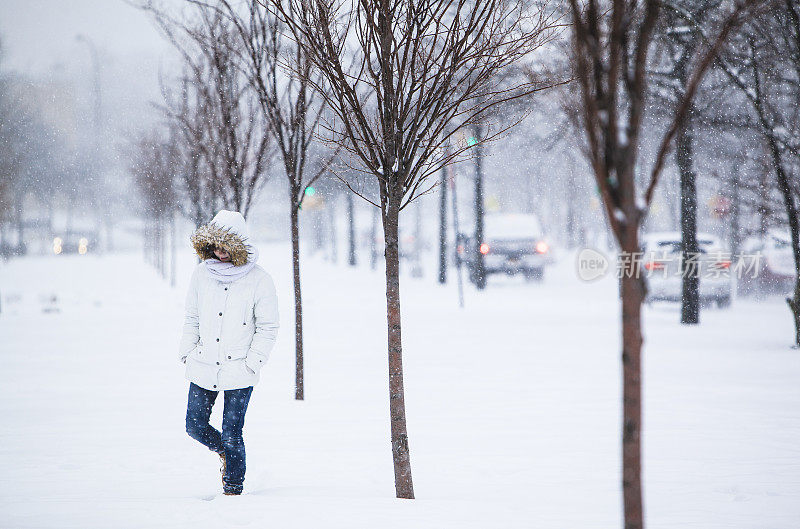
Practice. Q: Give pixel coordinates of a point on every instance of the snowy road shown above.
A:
(513, 407)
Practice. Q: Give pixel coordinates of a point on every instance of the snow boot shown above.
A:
(222, 466)
(228, 490)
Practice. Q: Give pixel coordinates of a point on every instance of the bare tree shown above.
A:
(443, 227)
(30, 158)
(287, 86)
(237, 144)
(402, 78)
(670, 70)
(154, 174)
(765, 66)
(611, 45)
(185, 116)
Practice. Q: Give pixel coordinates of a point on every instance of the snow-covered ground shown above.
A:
(513, 406)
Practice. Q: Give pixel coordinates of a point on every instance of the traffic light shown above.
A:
(310, 191)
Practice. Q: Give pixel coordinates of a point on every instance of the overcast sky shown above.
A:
(38, 34)
(40, 43)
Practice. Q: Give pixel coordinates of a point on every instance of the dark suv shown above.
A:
(512, 244)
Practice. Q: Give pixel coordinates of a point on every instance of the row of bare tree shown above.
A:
(35, 162)
(381, 91)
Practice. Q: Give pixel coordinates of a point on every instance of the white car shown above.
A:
(661, 263)
(767, 264)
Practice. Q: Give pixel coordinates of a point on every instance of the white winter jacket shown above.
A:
(229, 330)
(231, 323)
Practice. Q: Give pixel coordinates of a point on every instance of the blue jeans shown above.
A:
(230, 441)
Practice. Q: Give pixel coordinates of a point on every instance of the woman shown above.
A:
(230, 328)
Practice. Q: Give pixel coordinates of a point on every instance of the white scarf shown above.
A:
(227, 272)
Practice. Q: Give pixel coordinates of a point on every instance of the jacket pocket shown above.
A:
(236, 353)
(201, 355)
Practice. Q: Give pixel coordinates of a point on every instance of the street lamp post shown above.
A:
(480, 271)
(97, 129)
(98, 101)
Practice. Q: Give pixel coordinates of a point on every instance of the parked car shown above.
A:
(513, 244)
(661, 259)
(74, 242)
(767, 264)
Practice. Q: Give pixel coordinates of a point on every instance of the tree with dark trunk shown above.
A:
(443, 227)
(281, 74)
(403, 78)
(677, 43)
(769, 47)
(670, 76)
(351, 230)
(611, 47)
(690, 252)
(479, 269)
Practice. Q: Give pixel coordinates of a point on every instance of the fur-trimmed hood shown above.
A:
(227, 230)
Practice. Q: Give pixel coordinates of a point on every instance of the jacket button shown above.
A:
(217, 339)
(229, 358)
(215, 385)
(226, 288)
(244, 323)
(220, 314)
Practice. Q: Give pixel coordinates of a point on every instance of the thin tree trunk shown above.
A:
(480, 269)
(735, 237)
(109, 233)
(51, 209)
(351, 231)
(156, 243)
(320, 230)
(416, 269)
(173, 250)
(794, 230)
(458, 241)
(332, 227)
(404, 487)
(373, 233)
(164, 247)
(789, 204)
(20, 224)
(443, 227)
(298, 304)
(690, 275)
(763, 204)
(570, 207)
(144, 239)
(632, 292)
(159, 247)
(162, 261)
